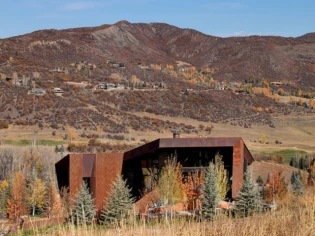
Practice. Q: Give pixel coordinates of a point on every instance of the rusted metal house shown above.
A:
(97, 170)
(141, 165)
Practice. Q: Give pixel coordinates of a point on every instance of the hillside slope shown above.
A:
(238, 58)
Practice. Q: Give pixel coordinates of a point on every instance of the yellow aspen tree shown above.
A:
(36, 196)
(222, 178)
(169, 185)
(300, 93)
(71, 134)
(4, 194)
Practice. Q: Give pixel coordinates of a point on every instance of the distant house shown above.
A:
(60, 70)
(8, 79)
(119, 65)
(276, 83)
(220, 86)
(57, 90)
(38, 91)
(100, 86)
(110, 86)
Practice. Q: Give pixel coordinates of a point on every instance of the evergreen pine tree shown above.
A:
(307, 162)
(84, 209)
(294, 162)
(211, 195)
(119, 202)
(268, 178)
(249, 200)
(57, 149)
(296, 183)
(62, 149)
(259, 180)
(304, 163)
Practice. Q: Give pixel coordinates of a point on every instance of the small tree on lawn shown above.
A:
(211, 194)
(57, 149)
(119, 202)
(296, 183)
(84, 208)
(249, 200)
(260, 180)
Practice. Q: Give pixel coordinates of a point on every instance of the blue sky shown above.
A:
(213, 17)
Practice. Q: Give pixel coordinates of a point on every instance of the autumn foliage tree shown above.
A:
(36, 194)
(66, 202)
(222, 178)
(277, 188)
(192, 189)
(16, 202)
(4, 194)
(32, 164)
(169, 184)
(71, 134)
(53, 205)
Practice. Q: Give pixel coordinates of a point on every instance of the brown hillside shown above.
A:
(262, 168)
(274, 58)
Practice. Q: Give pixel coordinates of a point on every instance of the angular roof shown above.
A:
(187, 143)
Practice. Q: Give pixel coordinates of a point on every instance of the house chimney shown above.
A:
(176, 133)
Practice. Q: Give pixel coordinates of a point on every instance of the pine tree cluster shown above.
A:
(302, 163)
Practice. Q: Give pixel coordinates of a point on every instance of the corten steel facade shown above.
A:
(97, 170)
(141, 165)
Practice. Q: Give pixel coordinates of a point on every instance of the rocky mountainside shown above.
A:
(235, 58)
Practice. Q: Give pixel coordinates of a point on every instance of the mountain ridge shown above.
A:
(237, 58)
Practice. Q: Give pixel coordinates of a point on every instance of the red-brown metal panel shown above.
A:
(197, 142)
(75, 175)
(88, 164)
(108, 165)
(238, 167)
(181, 143)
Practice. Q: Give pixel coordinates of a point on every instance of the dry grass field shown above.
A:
(296, 216)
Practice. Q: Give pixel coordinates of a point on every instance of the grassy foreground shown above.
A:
(295, 216)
